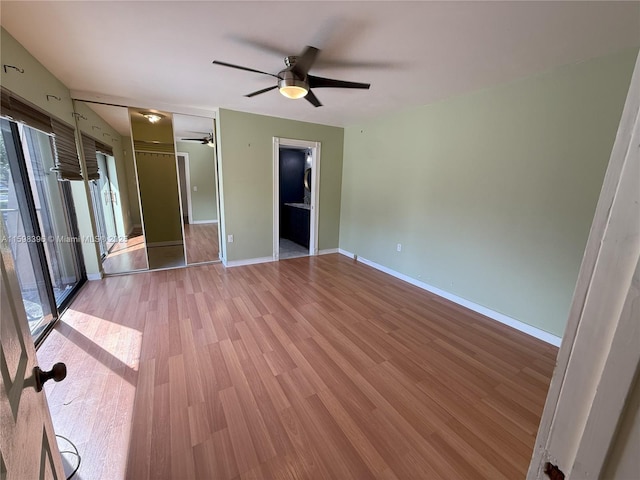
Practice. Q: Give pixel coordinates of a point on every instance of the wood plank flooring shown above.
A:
(201, 242)
(126, 256)
(309, 368)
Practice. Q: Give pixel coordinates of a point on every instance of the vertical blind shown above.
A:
(19, 110)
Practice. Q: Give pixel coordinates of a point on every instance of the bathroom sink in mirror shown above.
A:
(114, 194)
(196, 160)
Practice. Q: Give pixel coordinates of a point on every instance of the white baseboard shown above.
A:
(170, 243)
(94, 276)
(327, 251)
(202, 222)
(346, 254)
(248, 261)
(487, 312)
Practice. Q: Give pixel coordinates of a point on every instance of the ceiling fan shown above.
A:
(295, 82)
(207, 140)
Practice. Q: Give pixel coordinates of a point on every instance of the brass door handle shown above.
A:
(58, 372)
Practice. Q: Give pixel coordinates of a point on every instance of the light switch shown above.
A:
(195, 188)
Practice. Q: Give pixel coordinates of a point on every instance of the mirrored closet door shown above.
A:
(155, 198)
(197, 174)
(114, 193)
(155, 157)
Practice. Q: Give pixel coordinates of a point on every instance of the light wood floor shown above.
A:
(126, 256)
(316, 367)
(201, 242)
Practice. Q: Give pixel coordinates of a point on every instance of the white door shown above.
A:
(600, 353)
(28, 448)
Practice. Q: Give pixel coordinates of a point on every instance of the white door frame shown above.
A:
(600, 352)
(315, 182)
(187, 180)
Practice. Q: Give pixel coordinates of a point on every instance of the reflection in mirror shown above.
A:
(196, 159)
(114, 194)
(155, 158)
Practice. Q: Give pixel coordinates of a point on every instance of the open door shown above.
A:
(599, 360)
(28, 447)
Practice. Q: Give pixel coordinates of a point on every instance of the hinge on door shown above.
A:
(553, 472)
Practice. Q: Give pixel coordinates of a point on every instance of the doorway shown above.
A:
(185, 186)
(296, 165)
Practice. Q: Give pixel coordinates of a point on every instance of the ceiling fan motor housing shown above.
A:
(290, 61)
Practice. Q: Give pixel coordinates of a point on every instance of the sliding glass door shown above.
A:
(40, 223)
(15, 197)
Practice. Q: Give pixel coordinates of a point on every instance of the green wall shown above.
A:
(491, 194)
(246, 161)
(202, 174)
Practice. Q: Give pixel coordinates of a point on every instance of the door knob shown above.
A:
(58, 372)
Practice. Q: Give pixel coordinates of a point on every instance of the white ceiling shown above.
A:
(413, 53)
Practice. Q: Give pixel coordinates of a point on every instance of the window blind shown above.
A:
(64, 141)
(14, 108)
(90, 159)
(67, 163)
(102, 148)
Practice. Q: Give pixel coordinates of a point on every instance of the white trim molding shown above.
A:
(328, 251)
(487, 312)
(347, 254)
(314, 213)
(94, 276)
(248, 261)
(203, 222)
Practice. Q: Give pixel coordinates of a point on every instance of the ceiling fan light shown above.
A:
(294, 92)
(292, 87)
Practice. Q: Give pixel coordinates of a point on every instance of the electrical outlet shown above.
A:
(399, 247)
(195, 188)
(229, 238)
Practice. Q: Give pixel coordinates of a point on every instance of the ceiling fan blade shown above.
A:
(305, 61)
(321, 82)
(264, 90)
(312, 99)
(191, 139)
(326, 63)
(225, 64)
(262, 45)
